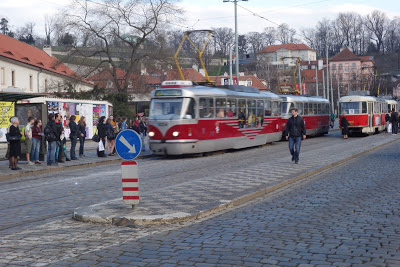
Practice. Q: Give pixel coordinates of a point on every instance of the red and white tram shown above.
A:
(314, 110)
(365, 114)
(187, 119)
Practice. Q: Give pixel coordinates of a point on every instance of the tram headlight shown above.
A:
(151, 134)
(175, 134)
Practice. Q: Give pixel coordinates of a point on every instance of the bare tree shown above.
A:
(270, 35)
(131, 23)
(223, 38)
(376, 22)
(392, 37)
(49, 27)
(285, 33)
(256, 41)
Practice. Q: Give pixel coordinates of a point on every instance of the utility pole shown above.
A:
(323, 84)
(327, 70)
(300, 85)
(316, 79)
(236, 37)
(332, 91)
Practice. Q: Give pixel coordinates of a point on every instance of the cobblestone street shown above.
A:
(347, 215)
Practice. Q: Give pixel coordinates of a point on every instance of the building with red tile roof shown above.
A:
(34, 70)
(247, 80)
(189, 74)
(286, 54)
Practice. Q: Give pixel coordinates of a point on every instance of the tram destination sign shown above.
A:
(169, 92)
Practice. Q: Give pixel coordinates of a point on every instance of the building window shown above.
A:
(59, 87)
(353, 66)
(340, 77)
(354, 76)
(3, 76)
(346, 68)
(13, 78)
(334, 66)
(46, 86)
(340, 66)
(30, 82)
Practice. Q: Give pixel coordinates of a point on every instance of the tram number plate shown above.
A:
(162, 124)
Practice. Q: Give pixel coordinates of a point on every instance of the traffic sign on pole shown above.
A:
(128, 144)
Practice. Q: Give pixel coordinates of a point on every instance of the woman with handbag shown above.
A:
(14, 137)
(101, 129)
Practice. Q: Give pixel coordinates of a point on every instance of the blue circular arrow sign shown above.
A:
(128, 144)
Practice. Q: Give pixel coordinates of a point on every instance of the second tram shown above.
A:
(365, 114)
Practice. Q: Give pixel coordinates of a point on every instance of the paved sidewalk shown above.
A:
(199, 198)
(90, 159)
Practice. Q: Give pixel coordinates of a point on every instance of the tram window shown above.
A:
(220, 104)
(299, 108)
(267, 108)
(241, 113)
(251, 113)
(231, 108)
(165, 109)
(320, 109)
(315, 108)
(260, 113)
(275, 108)
(326, 109)
(376, 108)
(364, 107)
(206, 108)
(287, 108)
(190, 111)
(350, 107)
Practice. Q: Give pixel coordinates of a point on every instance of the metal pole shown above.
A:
(338, 93)
(300, 86)
(332, 91)
(348, 88)
(327, 71)
(236, 43)
(316, 79)
(323, 83)
(230, 66)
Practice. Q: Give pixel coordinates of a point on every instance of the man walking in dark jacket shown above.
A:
(295, 131)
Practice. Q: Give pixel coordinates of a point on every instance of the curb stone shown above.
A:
(60, 168)
(86, 214)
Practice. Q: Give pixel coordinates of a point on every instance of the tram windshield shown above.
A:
(286, 108)
(353, 107)
(172, 109)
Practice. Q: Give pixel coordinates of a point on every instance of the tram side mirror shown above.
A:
(187, 117)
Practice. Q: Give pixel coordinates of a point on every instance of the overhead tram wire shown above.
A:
(264, 18)
(273, 10)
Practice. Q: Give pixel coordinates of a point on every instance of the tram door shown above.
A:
(370, 114)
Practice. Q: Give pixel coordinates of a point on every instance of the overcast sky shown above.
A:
(205, 14)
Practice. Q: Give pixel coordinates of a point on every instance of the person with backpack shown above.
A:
(110, 137)
(394, 119)
(50, 133)
(28, 140)
(73, 136)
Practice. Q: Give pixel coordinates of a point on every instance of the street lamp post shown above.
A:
(236, 37)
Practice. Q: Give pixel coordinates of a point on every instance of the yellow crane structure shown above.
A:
(294, 76)
(200, 53)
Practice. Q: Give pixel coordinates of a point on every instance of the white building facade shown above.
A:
(286, 54)
(34, 70)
